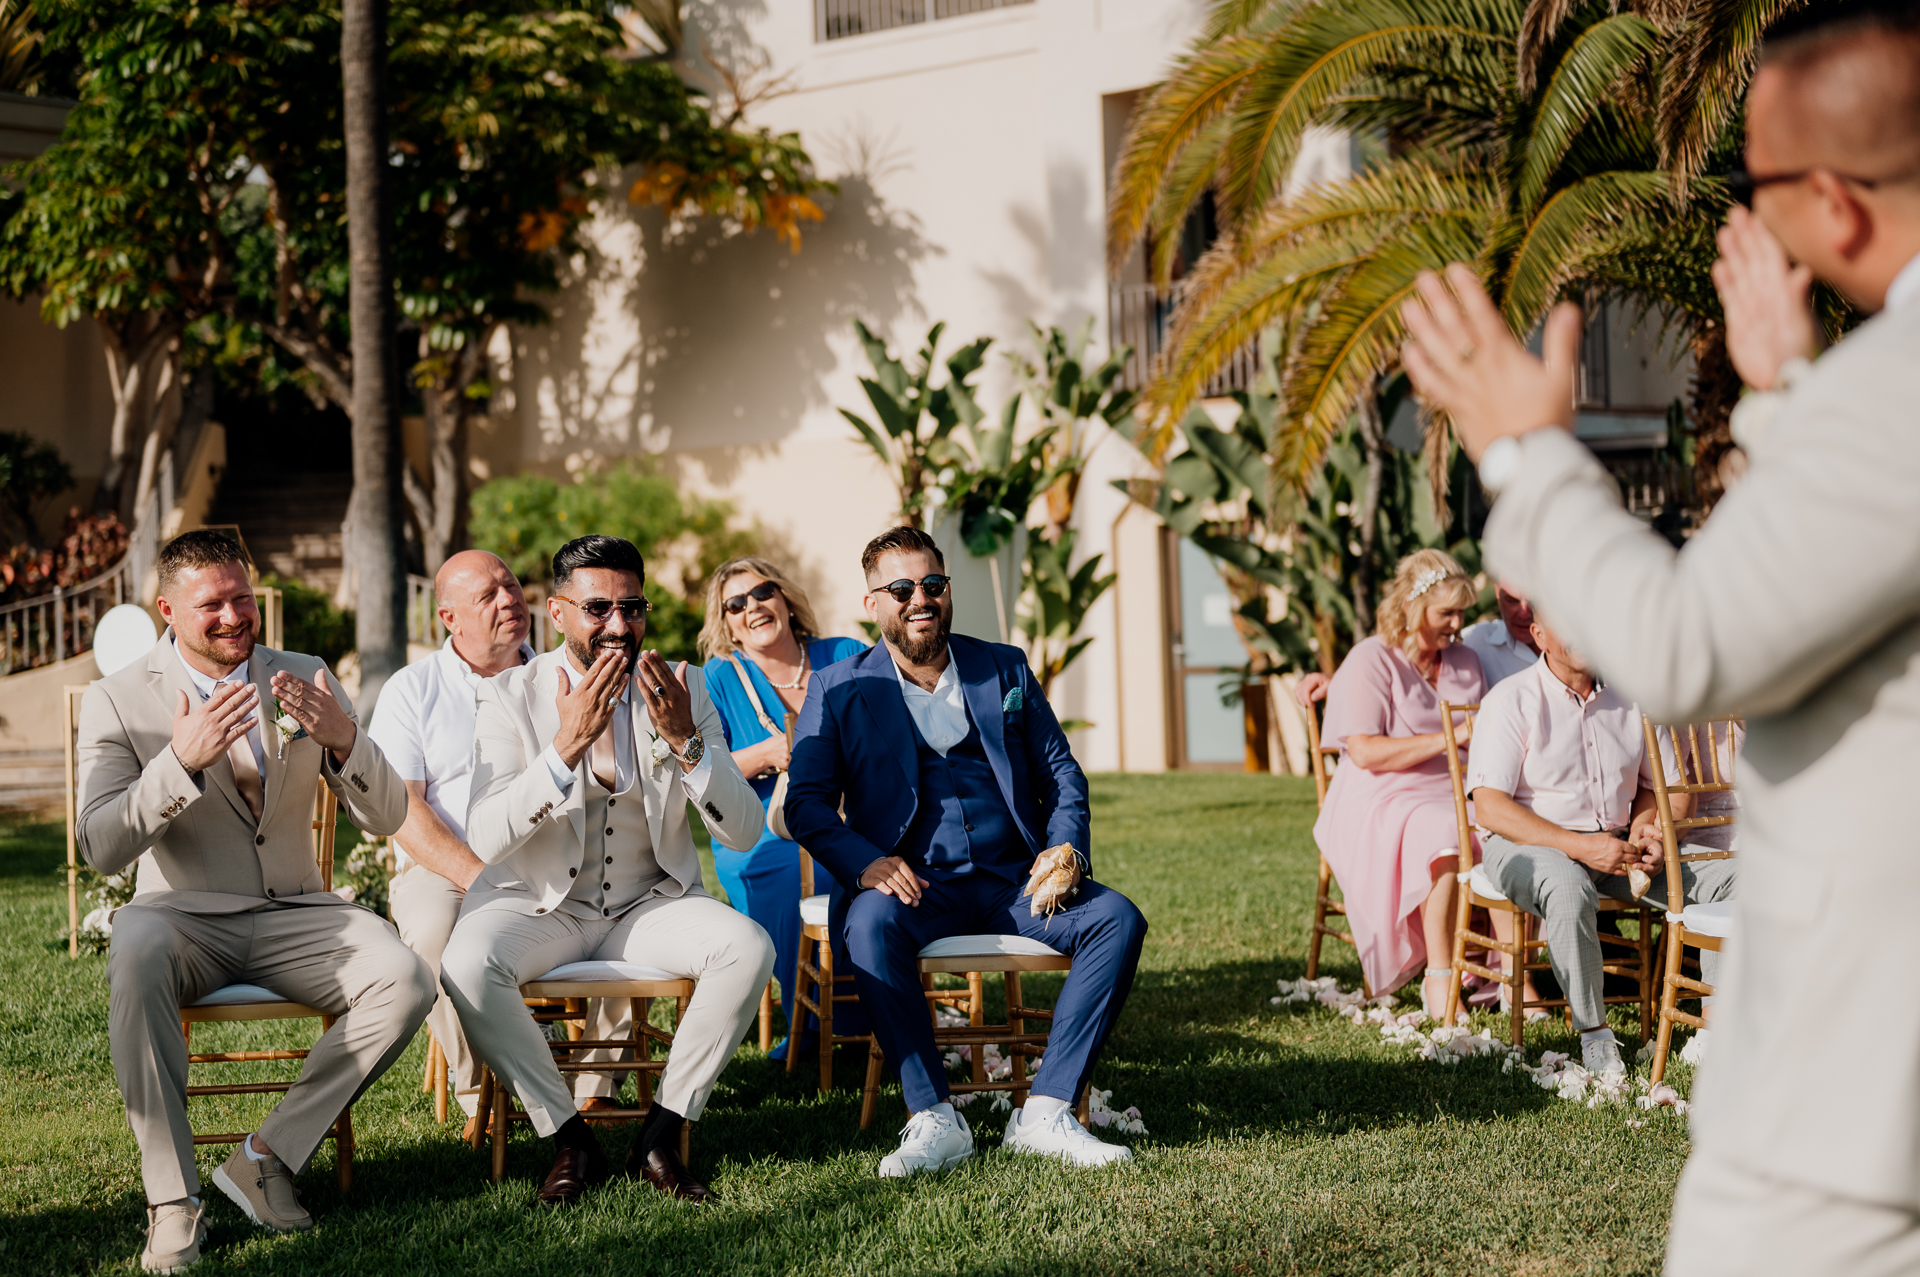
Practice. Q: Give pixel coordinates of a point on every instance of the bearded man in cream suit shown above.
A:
(176, 771)
(584, 762)
(1797, 604)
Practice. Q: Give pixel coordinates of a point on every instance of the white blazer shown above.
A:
(530, 834)
(1798, 604)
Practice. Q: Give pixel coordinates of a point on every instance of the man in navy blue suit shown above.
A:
(955, 776)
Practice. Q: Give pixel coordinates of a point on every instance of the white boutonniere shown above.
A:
(660, 752)
(288, 728)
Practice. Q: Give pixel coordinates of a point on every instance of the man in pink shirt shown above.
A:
(1559, 774)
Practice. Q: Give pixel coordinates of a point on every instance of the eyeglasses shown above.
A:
(902, 590)
(1741, 184)
(601, 609)
(759, 594)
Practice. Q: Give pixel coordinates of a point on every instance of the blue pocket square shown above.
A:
(1013, 702)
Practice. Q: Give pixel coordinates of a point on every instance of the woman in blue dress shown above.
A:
(763, 646)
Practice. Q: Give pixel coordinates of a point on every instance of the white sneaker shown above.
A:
(1696, 1048)
(1601, 1056)
(1062, 1137)
(930, 1141)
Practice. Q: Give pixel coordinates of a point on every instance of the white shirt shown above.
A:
(424, 725)
(941, 715)
(205, 685)
(1501, 655)
(624, 755)
(1905, 286)
(1576, 761)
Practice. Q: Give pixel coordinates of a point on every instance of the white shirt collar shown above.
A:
(943, 686)
(459, 662)
(1905, 286)
(205, 683)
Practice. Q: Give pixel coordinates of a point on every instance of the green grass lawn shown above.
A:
(1280, 1141)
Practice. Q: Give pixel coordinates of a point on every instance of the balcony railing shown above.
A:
(839, 19)
(1140, 316)
(49, 629)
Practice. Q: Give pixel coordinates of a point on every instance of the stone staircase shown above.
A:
(292, 525)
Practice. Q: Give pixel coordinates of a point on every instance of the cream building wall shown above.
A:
(971, 155)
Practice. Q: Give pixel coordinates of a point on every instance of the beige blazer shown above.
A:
(195, 838)
(530, 834)
(1798, 605)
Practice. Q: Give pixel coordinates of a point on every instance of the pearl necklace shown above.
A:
(798, 679)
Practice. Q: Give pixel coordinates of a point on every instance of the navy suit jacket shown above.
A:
(855, 742)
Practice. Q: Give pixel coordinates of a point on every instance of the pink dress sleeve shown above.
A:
(1360, 697)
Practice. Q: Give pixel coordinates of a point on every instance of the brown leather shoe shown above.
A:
(574, 1172)
(663, 1170)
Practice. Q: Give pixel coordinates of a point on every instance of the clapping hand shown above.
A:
(1463, 358)
(586, 710)
(1765, 297)
(313, 706)
(669, 703)
(202, 733)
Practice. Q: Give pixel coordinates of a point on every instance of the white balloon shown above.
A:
(124, 635)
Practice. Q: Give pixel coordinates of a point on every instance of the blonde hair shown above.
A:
(1421, 580)
(716, 637)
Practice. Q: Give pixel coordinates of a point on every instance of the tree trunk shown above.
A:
(439, 502)
(1373, 442)
(381, 628)
(136, 350)
(1715, 390)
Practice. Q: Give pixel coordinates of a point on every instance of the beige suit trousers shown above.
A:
(494, 951)
(424, 907)
(1730, 1220)
(342, 960)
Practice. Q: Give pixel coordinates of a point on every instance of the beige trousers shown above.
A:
(494, 951)
(1730, 1221)
(342, 960)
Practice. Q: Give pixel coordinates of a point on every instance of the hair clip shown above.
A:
(1425, 581)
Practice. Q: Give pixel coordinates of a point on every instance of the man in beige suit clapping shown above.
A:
(177, 771)
(584, 762)
(1797, 604)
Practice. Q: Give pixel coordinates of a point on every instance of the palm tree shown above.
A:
(1543, 173)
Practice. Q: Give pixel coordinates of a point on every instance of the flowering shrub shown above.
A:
(362, 877)
(89, 545)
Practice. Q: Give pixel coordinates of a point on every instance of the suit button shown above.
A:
(606, 913)
(573, 873)
(270, 894)
(609, 802)
(968, 828)
(609, 859)
(609, 831)
(606, 886)
(539, 910)
(260, 840)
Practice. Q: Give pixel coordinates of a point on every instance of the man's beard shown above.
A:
(920, 650)
(203, 647)
(583, 654)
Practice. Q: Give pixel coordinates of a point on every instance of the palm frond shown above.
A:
(1195, 169)
(1564, 234)
(1202, 86)
(1539, 28)
(1707, 75)
(1576, 89)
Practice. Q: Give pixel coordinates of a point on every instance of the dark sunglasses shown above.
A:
(1741, 184)
(902, 590)
(759, 594)
(601, 609)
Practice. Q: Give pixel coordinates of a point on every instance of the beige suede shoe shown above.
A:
(264, 1190)
(175, 1233)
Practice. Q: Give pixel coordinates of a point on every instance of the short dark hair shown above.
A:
(614, 553)
(900, 540)
(1837, 18)
(192, 551)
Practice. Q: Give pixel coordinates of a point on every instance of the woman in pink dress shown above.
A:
(1388, 827)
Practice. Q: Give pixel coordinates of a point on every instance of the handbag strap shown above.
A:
(753, 695)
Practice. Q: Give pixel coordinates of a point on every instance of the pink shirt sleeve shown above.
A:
(1360, 697)
(1499, 746)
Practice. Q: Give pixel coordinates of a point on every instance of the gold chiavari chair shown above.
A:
(1322, 758)
(817, 987)
(1704, 926)
(1521, 953)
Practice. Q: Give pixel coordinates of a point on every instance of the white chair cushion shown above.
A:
(967, 946)
(1483, 884)
(586, 972)
(813, 910)
(239, 995)
(1714, 919)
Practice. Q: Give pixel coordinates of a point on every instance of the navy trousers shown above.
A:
(1100, 930)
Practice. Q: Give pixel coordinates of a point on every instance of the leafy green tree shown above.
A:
(1072, 397)
(525, 520)
(1058, 598)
